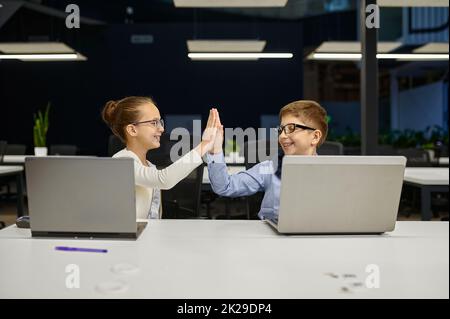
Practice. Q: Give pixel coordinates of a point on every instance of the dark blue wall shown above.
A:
(116, 68)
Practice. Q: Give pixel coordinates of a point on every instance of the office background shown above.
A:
(140, 48)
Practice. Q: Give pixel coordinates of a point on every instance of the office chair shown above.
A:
(16, 149)
(269, 122)
(252, 151)
(183, 200)
(443, 151)
(13, 149)
(331, 148)
(186, 121)
(61, 149)
(3, 146)
(416, 157)
(386, 150)
(114, 145)
(439, 152)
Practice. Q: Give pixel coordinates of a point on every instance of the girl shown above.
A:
(303, 129)
(137, 122)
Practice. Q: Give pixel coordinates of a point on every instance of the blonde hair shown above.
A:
(309, 111)
(118, 114)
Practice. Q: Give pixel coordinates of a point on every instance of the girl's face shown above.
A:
(148, 130)
(300, 141)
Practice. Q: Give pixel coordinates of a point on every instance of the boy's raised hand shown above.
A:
(218, 143)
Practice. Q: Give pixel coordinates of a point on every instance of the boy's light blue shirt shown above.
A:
(259, 178)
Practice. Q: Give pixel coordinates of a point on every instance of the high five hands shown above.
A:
(218, 142)
(213, 135)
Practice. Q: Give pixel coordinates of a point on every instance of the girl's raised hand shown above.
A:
(209, 134)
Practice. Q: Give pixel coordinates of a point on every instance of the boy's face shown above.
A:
(301, 141)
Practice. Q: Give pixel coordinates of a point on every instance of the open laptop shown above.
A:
(82, 197)
(339, 194)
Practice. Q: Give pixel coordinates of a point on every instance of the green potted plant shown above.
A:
(40, 132)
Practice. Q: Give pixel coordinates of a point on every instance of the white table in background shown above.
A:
(232, 259)
(16, 171)
(14, 159)
(443, 161)
(428, 180)
(20, 159)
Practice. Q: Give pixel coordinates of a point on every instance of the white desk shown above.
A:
(14, 159)
(232, 259)
(443, 161)
(16, 171)
(427, 175)
(428, 180)
(20, 159)
(4, 170)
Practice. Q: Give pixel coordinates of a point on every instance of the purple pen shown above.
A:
(86, 250)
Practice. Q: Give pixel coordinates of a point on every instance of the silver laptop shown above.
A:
(82, 197)
(339, 194)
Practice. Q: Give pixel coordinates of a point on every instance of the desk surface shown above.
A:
(10, 169)
(427, 175)
(232, 259)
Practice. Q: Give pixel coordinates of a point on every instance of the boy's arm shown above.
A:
(244, 183)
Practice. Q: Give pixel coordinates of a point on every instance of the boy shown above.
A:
(302, 130)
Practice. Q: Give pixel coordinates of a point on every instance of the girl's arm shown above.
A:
(170, 176)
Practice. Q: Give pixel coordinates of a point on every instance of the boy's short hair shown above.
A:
(311, 112)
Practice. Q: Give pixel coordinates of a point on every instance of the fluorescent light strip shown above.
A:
(63, 56)
(413, 56)
(381, 56)
(239, 56)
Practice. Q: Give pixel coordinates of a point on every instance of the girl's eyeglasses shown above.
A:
(154, 123)
(291, 127)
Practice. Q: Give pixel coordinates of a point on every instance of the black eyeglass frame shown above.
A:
(280, 128)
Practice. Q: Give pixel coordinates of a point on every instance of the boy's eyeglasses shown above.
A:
(291, 127)
(154, 123)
